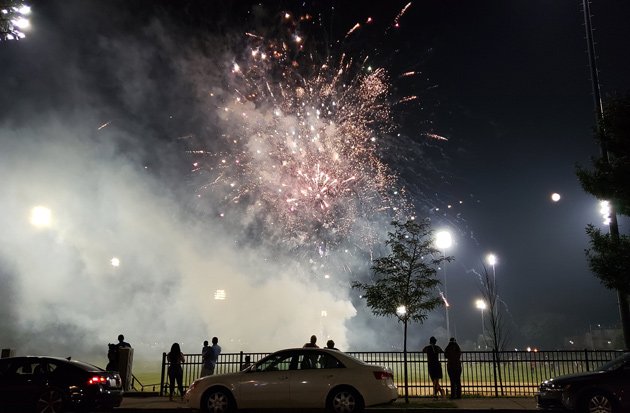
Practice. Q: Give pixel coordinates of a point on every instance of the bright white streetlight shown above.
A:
(115, 262)
(13, 21)
(443, 240)
(555, 197)
(401, 311)
(41, 216)
(481, 305)
(604, 209)
(492, 261)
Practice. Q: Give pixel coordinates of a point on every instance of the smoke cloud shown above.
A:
(93, 136)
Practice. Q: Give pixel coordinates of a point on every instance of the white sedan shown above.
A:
(297, 378)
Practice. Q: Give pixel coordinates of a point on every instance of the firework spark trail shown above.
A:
(304, 141)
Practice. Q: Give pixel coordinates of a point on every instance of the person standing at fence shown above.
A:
(122, 343)
(213, 355)
(453, 355)
(206, 366)
(175, 372)
(435, 368)
(248, 362)
(311, 343)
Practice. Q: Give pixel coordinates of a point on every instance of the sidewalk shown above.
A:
(138, 404)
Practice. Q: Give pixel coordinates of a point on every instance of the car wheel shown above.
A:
(598, 403)
(218, 400)
(345, 400)
(50, 401)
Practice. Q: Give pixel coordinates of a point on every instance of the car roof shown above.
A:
(336, 353)
(78, 363)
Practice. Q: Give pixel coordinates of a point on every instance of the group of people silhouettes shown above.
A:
(453, 353)
(313, 343)
(210, 355)
(175, 358)
(113, 355)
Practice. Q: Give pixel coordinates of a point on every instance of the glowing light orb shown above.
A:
(555, 197)
(605, 210)
(401, 311)
(492, 259)
(220, 295)
(115, 262)
(443, 240)
(480, 304)
(41, 216)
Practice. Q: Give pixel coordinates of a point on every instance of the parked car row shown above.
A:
(292, 378)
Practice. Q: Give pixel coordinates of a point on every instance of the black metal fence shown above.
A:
(484, 373)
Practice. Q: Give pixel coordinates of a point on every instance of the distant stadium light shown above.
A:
(13, 20)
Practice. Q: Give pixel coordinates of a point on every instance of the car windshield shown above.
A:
(616, 363)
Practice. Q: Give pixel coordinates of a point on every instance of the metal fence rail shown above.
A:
(484, 373)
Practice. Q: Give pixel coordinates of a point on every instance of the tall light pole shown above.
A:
(492, 261)
(613, 227)
(443, 240)
(481, 305)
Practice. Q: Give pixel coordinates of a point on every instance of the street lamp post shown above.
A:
(492, 260)
(401, 312)
(481, 305)
(443, 240)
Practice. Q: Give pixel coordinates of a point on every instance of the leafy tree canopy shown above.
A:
(608, 259)
(610, 177)
(407, 277)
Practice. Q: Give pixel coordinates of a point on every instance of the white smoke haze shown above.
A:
(116, 192)
(103, 205)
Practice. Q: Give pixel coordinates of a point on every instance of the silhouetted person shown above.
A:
(206, 365)
(175, 372)
(213, 354)
(331, 345)
(453, 355)
(248, 362)
(112, 357)
(435, 368)
(312, 342)
(122, 343)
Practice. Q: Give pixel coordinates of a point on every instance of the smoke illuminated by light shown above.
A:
(41, 216)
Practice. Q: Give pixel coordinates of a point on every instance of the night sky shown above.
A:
(506, 83)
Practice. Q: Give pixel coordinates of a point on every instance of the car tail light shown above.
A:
(383, 375)
(97, 380)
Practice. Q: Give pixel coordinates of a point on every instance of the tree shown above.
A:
(609, 253)
(496, 327)
(405, 281)
(498, 334)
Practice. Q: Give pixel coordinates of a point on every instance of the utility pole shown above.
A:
(613, 228)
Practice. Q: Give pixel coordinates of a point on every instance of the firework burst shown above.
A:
(303, 162)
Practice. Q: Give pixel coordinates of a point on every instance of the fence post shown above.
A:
(494, 367)
(588, 368)
(162, 374)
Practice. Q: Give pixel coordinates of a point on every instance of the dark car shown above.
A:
(605, 390)
(53, 385)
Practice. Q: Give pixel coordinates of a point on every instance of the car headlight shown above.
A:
(550, 385)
